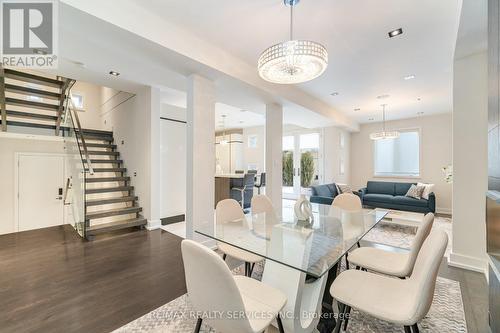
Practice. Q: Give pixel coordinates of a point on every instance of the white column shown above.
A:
(200, 153)
(470, 162)
(154, 221)
(274, 138)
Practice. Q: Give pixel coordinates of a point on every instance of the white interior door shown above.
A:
(40, 184)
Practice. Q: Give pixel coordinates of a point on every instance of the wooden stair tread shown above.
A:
(103, 152)
(107, 179)
(112, 212)
(104, 161)
(97, 137)
(31, 78)
(20, 114)
(108, 169)
(98, 202)
(117, 225)
(100, 145)
(31, 104)
(32, 92)
(24, 124)
(109, 189)
(97, 132)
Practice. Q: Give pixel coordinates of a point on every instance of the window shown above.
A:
(252, 141)
(77, 100)
(399, 157)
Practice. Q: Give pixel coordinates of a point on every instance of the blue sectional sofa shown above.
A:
(323, 194)
(391, 195)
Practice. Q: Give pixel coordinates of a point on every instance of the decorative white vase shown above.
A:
(303, 209)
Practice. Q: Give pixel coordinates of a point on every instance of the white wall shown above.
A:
(470, 161)
(333, 153)
(173, 161)
(135, 123)
(436, 153)
(255, 155)
(90, 115)
(8, 148)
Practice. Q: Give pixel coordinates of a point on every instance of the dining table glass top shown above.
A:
(312, 246)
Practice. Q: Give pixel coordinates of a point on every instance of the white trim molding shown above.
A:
(468, 263)
(153, 225)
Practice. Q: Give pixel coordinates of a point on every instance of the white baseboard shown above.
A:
(153, 224)
(468, 263)
(441, 210)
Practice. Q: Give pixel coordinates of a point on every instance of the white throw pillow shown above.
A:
(415, 191)
(344, 188)
(429, 188)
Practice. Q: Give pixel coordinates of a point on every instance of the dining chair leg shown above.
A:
(414, 327)
(224, 256)
(246, 269)
(340, 319)
(346, 261)
(346, 317)
(280, 324)
(359, 245)
(198, 325)
(407, 329)
(251, 270)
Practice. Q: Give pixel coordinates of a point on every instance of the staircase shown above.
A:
(110, 203)
(29, 100)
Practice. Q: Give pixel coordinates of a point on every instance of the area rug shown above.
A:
(446, 315)
(402, 236)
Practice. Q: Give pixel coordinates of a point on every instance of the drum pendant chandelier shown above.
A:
(293, 61)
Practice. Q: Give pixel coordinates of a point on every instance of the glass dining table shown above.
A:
(300, 256)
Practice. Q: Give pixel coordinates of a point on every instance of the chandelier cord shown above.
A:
(291, 22)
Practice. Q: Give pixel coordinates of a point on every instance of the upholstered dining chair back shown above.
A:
(212, 289)
(228, 210)
(347, 201)
(422, 282)
(423, 231)
(262, 204)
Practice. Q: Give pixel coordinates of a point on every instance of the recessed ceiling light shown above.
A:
(419, 99)
(334, 93)
(243, 110)
(409, 77)
(395, 33)
(383, 96)
(114, 73)
(241, 121)
(357, 109)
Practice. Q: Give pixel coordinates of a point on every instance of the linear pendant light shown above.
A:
(384, 134)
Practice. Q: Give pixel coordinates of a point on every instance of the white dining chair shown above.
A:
(393, 263)
(242, 304)
(347, 201)
(402, 302)
(228, 210)
(262, 204)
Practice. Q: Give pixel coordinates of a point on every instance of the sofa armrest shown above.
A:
(362, 193)
(432, 202)
(321, 200)
(313, 191)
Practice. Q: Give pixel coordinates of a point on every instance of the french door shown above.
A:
(301, 163)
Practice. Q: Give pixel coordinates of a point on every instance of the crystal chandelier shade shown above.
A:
(384, 134)
(293, 61)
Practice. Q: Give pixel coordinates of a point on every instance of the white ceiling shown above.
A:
(363, 61)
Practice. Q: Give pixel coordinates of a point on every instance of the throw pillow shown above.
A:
(344, 188)
(429, 188)
(415, 191)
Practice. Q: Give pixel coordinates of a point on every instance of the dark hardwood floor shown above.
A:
(53, 281)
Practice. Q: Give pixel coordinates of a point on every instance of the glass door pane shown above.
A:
(309, 148)
(288, 167)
